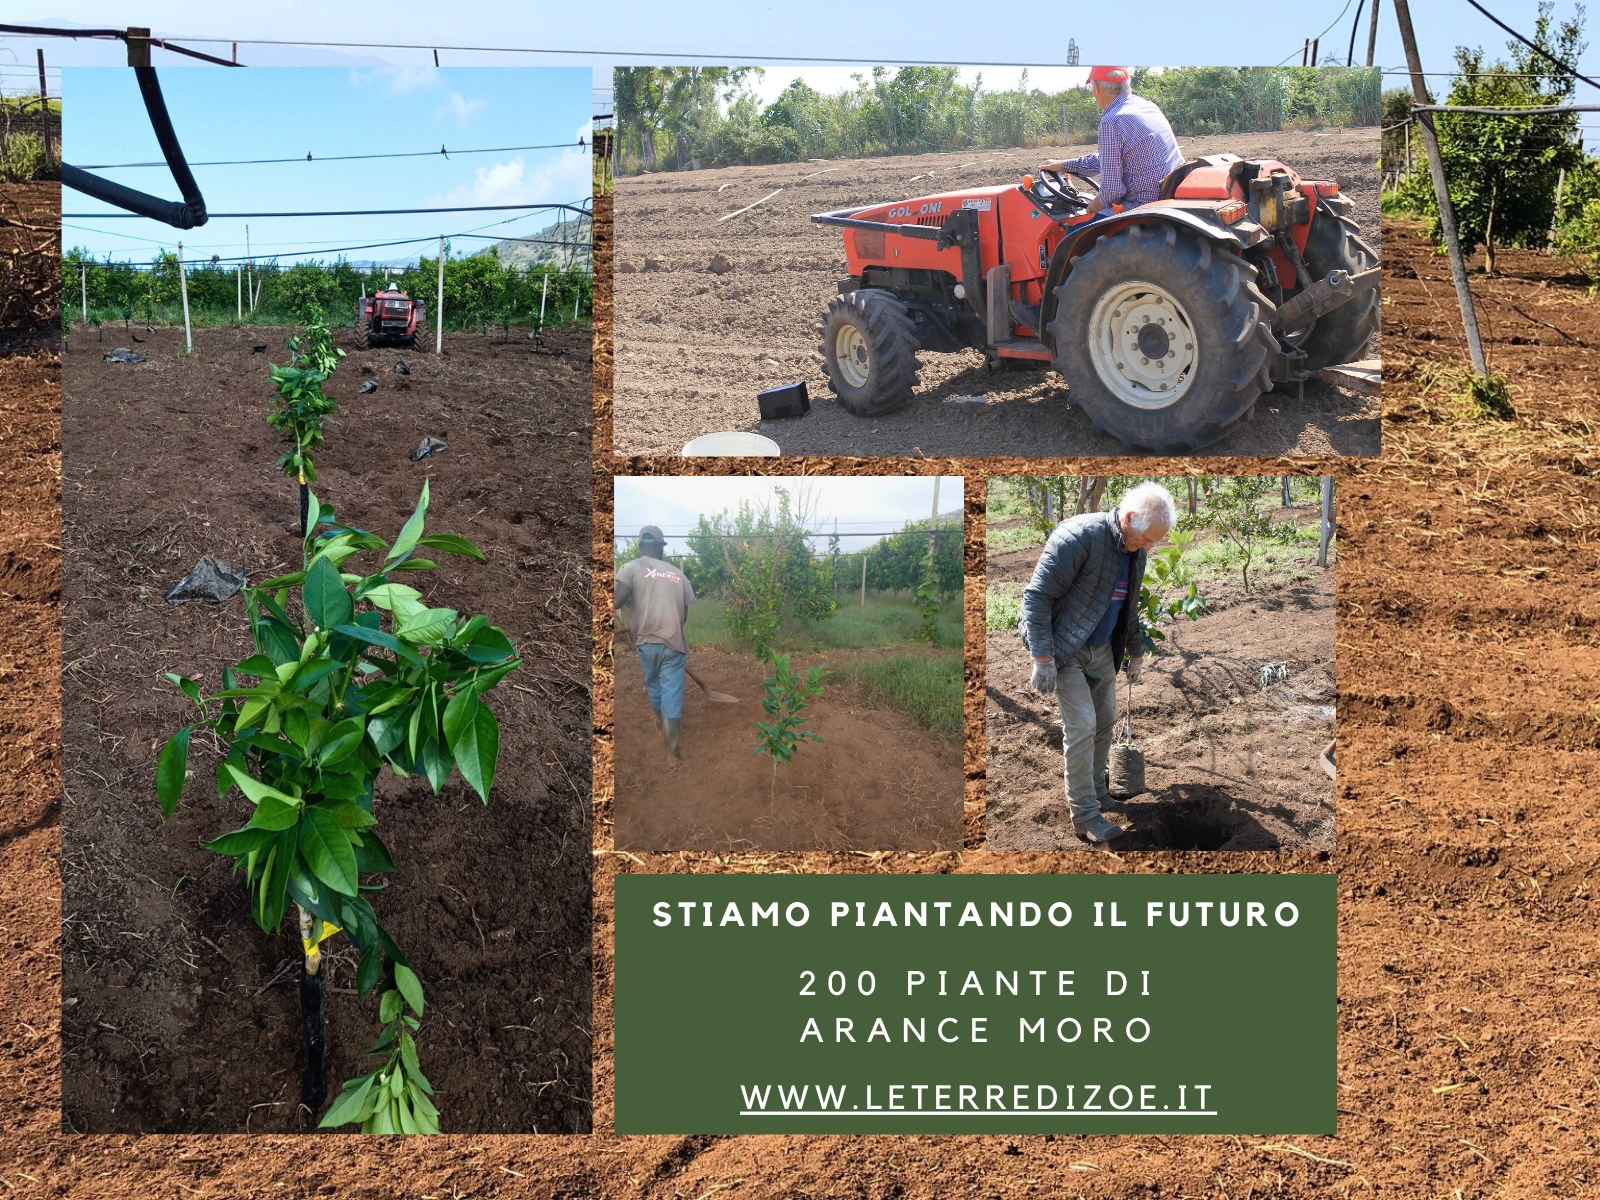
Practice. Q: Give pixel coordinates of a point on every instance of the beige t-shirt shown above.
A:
(661, 596)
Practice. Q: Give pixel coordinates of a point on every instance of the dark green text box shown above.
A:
(975, 1003)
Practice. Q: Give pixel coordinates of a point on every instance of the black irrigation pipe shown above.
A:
(254, 162)
(186, 215)
(736, 537)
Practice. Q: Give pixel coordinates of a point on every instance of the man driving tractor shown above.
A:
(661, 597)
(1137, 149)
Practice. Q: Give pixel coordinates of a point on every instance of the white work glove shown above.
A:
(1043, 679)
(1135, 669)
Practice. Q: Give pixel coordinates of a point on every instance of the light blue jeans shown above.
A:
(1086, 695)
(663, 675)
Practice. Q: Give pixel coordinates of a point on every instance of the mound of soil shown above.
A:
(694, 346)
(1229, 765)
(180, 1014)
(875, 781)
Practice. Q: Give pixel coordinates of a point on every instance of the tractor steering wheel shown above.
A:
(1054, 189)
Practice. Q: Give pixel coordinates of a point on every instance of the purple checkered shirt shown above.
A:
(1137, 150)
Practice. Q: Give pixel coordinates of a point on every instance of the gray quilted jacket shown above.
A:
(1072, 587)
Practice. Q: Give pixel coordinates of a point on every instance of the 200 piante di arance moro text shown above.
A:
(975, 1004)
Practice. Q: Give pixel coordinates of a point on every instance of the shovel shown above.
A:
(718, 697)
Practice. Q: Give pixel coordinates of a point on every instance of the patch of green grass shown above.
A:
(1487, 396)
(1002, 602)
(1006, 498)
(928, 690)
(998, 541)
(887, 619)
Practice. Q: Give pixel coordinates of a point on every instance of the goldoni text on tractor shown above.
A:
(1167, 320)
(389, 317)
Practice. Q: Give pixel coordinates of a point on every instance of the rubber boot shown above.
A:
(669, 732)
(1096, 829)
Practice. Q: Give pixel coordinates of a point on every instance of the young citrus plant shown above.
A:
(788, 694)
(335, 696)
(301, 406)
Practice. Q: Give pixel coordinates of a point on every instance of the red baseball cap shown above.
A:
(1110, 74)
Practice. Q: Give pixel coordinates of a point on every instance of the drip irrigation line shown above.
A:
(354, 212)
(254, 162)
(1534, 46)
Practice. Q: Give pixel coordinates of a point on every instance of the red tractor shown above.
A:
(1167, 320)
(389, 317)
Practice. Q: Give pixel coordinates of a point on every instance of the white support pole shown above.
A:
(238, 291)
(438, 320)
(576, 300)
(250, 275)
(83, 288)
(1327, 520)
(545, 295)
(183, 287)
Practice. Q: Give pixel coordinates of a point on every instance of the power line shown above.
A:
(254, 162)
(354, 212)
(1534, 46)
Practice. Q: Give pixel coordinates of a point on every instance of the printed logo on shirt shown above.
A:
(652, 573)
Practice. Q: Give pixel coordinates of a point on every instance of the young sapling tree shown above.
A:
(301, 406)
(336, 695)
(788, 694)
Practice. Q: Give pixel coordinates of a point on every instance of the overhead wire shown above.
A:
(254, 162)
(353, 212)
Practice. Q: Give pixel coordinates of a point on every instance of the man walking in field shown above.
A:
(1137, 149)
(661, 595)
(1079, 619)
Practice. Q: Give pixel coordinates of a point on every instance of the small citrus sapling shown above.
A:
(336, 696)
(301, 406)
(787, 696)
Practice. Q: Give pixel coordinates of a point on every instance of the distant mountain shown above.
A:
(565, 244)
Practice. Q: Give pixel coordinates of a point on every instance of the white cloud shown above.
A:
(562, 177)
(463, 109)
(397, 81)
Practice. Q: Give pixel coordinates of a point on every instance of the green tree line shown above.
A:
(1520, 181)
(675, 118)
(24, 126)
(479, 290)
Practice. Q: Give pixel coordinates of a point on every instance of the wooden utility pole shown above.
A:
(1555, 215)
(1287, 499)
(138, 45)
(44, 115)
(1193, 507)
(933, 526)
(1372, 33)
(1327, 520)
(863, 579)
(1441, 188)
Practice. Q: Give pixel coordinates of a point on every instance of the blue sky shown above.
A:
(287, 112)
(1166, 31)
(868, 503)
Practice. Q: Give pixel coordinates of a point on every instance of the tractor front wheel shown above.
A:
(363, 333)
(869, 350)
(1163, 338)
(419, 337)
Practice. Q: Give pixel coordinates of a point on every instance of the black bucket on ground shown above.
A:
(314, 1083)
(781, 402)
(1126, 771)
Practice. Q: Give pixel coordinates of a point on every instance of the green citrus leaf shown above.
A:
(327, 851)
(411, 533)
(348, 1107)
(241, 841)
(410, 987)
(326, 601)
(473, 734)
(171, 768)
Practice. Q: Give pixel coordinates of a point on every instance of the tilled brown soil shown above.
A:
(875, 782)
(1229, 765)
(180, 1014)
(1467, 851)
(693, 348)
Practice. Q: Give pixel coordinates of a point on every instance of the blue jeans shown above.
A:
(663, 675)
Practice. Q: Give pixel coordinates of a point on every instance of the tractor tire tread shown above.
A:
(892, 346)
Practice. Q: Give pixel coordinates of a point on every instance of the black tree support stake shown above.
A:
(314, 1083)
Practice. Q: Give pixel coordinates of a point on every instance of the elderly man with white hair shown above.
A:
(1080, 622)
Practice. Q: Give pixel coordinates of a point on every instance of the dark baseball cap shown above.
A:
(651, 533)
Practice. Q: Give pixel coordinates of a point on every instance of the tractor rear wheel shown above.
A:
(869, 350)
(363, 333)
(1334, 244)
(419, 338)
(1163, 338)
